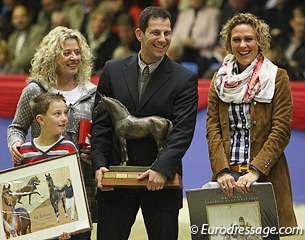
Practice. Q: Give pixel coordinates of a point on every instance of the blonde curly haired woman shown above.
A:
(62, 63)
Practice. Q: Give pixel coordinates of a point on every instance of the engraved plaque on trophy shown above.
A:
(128, 126)
(126, 176)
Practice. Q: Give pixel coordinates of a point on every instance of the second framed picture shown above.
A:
(250, 216)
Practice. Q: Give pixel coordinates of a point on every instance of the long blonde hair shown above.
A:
(45, 61)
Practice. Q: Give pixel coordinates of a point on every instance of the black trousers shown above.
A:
(117, 212)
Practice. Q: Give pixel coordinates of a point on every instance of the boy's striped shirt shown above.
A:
(32, 153)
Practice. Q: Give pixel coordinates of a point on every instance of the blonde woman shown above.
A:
(61, 64)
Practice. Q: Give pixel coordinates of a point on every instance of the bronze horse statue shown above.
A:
(28, 190)
(16, 222)
(128, 126)
(55, 196)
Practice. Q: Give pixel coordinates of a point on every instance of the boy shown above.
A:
(50, 112)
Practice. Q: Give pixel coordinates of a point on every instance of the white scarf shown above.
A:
(239, 82)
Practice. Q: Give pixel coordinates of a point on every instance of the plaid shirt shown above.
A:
(239, 118)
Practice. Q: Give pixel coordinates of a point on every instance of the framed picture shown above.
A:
(250, 216)
(43, 199)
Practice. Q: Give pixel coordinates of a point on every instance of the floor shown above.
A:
(138, 230)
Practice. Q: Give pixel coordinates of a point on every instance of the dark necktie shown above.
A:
(143, 81)
(145, 74)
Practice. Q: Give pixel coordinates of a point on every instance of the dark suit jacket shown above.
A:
(171, 93)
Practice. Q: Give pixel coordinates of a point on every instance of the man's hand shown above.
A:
(156, 180)
(99, 174)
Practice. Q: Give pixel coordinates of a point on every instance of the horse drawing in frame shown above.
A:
(16, 221)
(28, 190)
(55, 196)
(127, 126)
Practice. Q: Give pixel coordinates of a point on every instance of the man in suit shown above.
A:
(169, 91)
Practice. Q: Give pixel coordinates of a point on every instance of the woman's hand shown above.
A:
(244, 182)
(226, 183)
(16, 155)
(85, 152)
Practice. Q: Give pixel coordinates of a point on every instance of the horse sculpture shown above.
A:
(55, 196)
(16, 222)
(28, 190)
(130, 127)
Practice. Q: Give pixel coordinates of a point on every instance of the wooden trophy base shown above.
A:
(126, 177)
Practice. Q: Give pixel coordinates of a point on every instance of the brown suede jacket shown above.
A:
(269, 135)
